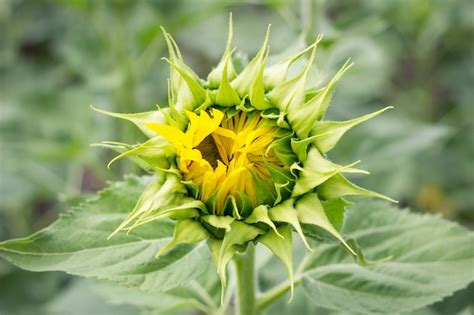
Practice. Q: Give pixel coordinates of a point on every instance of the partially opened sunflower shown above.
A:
(240, 157)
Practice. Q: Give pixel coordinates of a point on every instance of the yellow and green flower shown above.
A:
(241, 157)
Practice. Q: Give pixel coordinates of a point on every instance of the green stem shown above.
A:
(246, 282)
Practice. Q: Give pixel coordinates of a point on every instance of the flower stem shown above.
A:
(246, 282)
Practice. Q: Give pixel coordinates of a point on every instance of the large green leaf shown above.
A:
(202, 293)
(77, 244)
(431, 258)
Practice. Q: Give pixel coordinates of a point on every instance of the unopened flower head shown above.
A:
(241, 157)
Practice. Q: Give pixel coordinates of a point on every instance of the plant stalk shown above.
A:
(246, 282)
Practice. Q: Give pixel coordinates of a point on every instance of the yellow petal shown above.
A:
(172, 134)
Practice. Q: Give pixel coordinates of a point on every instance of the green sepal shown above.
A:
(283, 150)
(185, 208)
(300, 147)
(223, 251)
(185, 232)
(289, 95)
(156, 152)
(197, 91)
(226, 95)
(279, 174)
(326, 134)
(244, 204)
(174, 117)
(323, 97)
(139, 119)
(283, 181)
(260, 214)
(286, 212)
(283, 191)
(219, 221)
(239, 234)
(124, 147)
(276, 74)
(335, 210)
(280, 242)
(206, 104)
(221, 261)
(311, 211)
(278, 116)
(245, 106)
(264, 190)
(192, 188)
(244, 81)
(257, 91)
(316, 170)
(182, 94)
(231, 207)
(339, 186)
(224, 68)
(211, 203)
(161, 192)
(303, 118)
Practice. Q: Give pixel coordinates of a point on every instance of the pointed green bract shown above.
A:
(223, 251)
(220, 222)
(322, 99)
(327, 133)
(221, 260)
(335, 211)
(317, 170)
(339, 186)
(244, 81)
(226, 95)
(276, 74)
(186, 90)
(139, 119)
(289, 95)
(257, 91)
(122, 148)
(184, 208)
(225, 68)
(163, 191)
(197, 91)
(157, 152)
(286, 212)
(239, 234)
(185, 232)
(260, 214)
(280, 242)
(311, 211)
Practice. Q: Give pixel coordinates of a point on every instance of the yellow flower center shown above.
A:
(223, 155)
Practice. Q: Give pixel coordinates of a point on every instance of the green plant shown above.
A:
(239, 160)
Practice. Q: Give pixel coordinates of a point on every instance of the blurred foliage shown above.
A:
(59, 56)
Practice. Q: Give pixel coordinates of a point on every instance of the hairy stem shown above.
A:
(246, 282)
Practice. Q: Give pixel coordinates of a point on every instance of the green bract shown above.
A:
(296, 186)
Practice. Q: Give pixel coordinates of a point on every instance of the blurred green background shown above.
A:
(59, 56)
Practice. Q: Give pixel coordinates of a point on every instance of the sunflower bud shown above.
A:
(241, 157)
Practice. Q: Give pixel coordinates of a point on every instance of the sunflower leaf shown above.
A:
(77, 244)
(422, 269)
